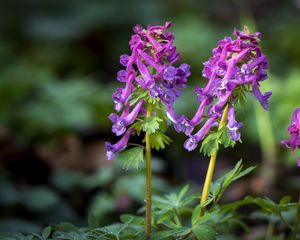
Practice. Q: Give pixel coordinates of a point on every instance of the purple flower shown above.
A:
(120, 123)
(124, 59)
(234, 62)
(152, 59)
(112, 149)
(170, 73)
(145, 73)
(176, 77)
(198, 115)
(233, 125)
(122, 76)
(182, 123)
(263, 99)
(294, 130)
(121, 95)
(192, 142)
(149, 60)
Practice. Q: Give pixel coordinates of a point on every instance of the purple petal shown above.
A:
(190, 144)
(170, 73)
(124, 59)
(112, 149)
(263, 99)
(121, 76)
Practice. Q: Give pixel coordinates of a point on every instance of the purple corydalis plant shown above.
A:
(149, 68)
(294, 130)
(236, 65)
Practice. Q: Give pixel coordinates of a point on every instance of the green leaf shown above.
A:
(138, 127)
(204, 232)
(138, 95)
(218, 187)
(214, 139)
(131, 158)
(240, 92)
(285, 200)
(112, 230)
(225, 139)
(178, 233)
(136, 220)
(46, 232)
(65, 226)
(197, 219)
(183, 191)
(152, 100)
(78, 235)
(151, 124)
(161, 113)
(159, 140)
(210, 143)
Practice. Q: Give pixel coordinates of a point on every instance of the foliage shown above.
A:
(131, 158)
(177, 216)
(48, 50)
(213, 140)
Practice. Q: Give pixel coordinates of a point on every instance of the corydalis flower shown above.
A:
(112, 149)
(294, 130)
(233, 125)
(150, 66)
(121, 122)
(234, 63)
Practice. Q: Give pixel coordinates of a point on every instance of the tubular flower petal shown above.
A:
(112, 149)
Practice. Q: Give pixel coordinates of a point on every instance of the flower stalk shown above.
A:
(211, 166)
(148, 176)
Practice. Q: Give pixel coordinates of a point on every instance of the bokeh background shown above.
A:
(58, 65)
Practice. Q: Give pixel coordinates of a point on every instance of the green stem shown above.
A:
(148, 177)
(297, 221)
(211, 167)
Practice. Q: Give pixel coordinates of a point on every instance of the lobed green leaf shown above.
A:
(131, 158)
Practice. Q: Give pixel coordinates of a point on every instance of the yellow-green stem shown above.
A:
(297, 221)
(211, 167)
(148, 178)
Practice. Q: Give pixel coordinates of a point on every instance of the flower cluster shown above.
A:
(150, 68)
(294, 130)
(236, 65)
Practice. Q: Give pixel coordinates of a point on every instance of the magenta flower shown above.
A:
(151, 65)
(294, 130)
(234, 62)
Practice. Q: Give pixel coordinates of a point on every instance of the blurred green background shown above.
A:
(58, 64)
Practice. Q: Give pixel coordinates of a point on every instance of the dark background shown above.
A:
(58, 65)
